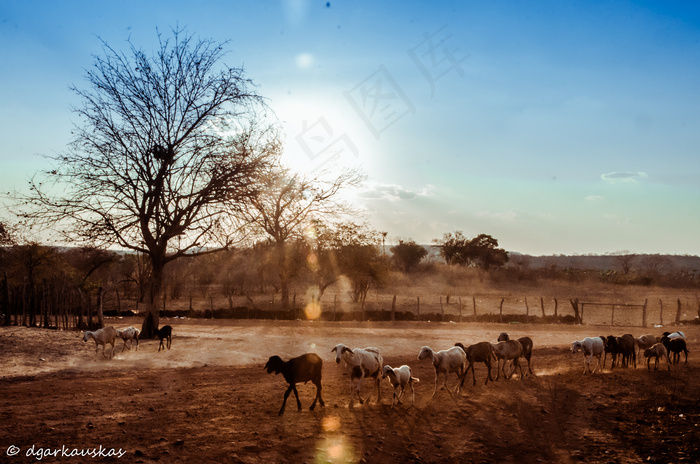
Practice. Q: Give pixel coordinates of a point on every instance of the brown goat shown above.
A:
(478, 352)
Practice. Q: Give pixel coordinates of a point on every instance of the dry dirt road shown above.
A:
(209, 399)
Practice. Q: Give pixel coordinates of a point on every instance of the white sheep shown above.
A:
(130, 334)
(102, 337)
(445, 362)
(591, 346)
(400, 378)
(360, 363)
(508, 350)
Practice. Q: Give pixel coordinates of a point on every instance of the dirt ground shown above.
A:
(208, 399)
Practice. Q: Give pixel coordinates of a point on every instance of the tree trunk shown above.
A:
(150, 325)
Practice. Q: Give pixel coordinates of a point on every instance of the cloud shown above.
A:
(614, 177)
(594, 198)
(509, 215)
(394, 192)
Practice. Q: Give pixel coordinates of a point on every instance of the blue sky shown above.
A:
(556, 127)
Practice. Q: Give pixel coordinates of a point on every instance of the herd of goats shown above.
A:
(361, 363)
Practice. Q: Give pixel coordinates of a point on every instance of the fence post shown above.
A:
(393, 309)
(500, 313)
(474, 305)
(678, 313)
(574, 305)
(542, 306)
(335, 307)
(460, 309)
(661, 312)
(442, 311)
(612, 317)
(556, 310)
(644, 313)
(527, 311)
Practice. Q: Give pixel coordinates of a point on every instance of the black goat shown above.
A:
(165, 333)
(304, 368)
(623, 346)
(675, 346)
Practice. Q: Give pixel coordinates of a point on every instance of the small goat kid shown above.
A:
(165, 333)
(129, 334)
(657, 351)
(400, 378)
(304, 368)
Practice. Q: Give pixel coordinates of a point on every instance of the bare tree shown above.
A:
(289, 203)
(168, 148)
(624, 259)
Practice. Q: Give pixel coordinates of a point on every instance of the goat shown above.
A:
(645, 341)
(400, 378)
(102, 337)
(478, 352)
(165, 333)
(130, 334)
(656, 351)
(591, 346)
(526, 342)
(304, 368)
(675, 346)
(505, 351)
(453, 360)
(360, 363)
(673, 335)
(623, 346)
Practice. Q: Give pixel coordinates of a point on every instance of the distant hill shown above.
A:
(662, 263)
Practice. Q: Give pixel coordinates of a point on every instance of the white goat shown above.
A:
(672, 335)
(360, 363)
(508, 350)
(400, 378)
(130, 334)
(446, 362)
(102, 337)
(591, 346)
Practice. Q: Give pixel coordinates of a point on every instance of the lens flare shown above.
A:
(313, 310)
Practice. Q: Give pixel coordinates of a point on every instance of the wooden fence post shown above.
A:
(644, 313)
(542, 306)
(393, 309)
(612, 316)
(442, 311)
(460, 309)
(556, 310)
(661, 312)
(678, 313)
(527, 311)
(474, 305)
(335, 307)
(500, 313)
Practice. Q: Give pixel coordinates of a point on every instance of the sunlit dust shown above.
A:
(313, 310)
(312, 262)
(335, 450)
(330, 423)
(310, 233)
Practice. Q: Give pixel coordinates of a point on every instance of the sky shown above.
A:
(556, 127)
